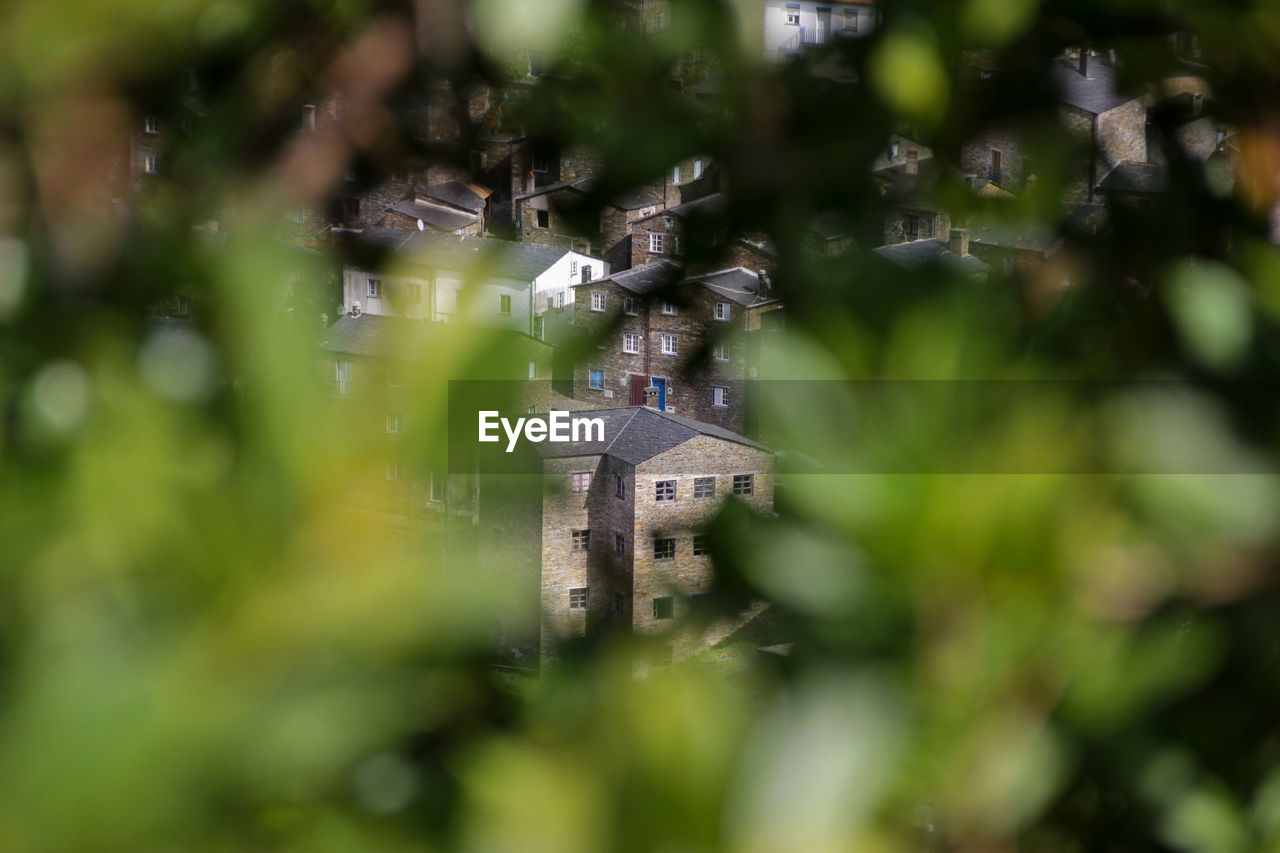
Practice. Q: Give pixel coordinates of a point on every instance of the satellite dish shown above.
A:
(422, 226)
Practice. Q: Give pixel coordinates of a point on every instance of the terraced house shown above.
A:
(690, 344)
(623, 543)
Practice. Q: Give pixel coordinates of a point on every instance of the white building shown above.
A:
(444, 278)
(791, 26)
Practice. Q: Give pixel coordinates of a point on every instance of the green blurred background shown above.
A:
(202, 648)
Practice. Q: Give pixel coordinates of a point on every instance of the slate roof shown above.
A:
(502, 258)
(437, 216)
(709, 205)
(644, 278)
(1094, 94)
(738, 284)
(634, 199)
(378, 336)
(918, 254)
(1030, 237)
(636, 433)
(1131, 177)
(455, 193)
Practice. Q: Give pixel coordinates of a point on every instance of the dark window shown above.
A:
(578, 598)
(544, 218)
(619, 544)
(664, 549)
(629, 305)
(665, 490)
(744, 484)
(704, 487)
(619, 486)
(664, 607)
(701, 545)
(581, 540)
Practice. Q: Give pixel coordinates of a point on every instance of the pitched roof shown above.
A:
(632, 199)
(502, 258)
(636, 433)
(644, 278)
(378, 336)
(709, 205)
(1026, 236)
(437, 216)
(918, 254)
(1094, 94)
(1131, 177)
(739, 284)
(454, 193)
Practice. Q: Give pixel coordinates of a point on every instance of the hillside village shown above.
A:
(644, 305)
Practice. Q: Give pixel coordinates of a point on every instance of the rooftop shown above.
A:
(1095, 93)
(646, 277)
(378, 336)
(522, 262)
(636, 433)
(739, 284)
(1133, 177)
(918, 254)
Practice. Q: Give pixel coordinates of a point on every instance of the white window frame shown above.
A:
(665, 491)
(344, 378)
(580, 482)
(720, 396)
(631, 343)
(151, 124)
(393, 423)
(697, 169)
(670, 309)
(793, 16)
(151, 164)
(722, 312)
(504, 304)
(375, 288)
(393, 471)
(670, 344)
(675, 174)
(655, 242)
(580, 540)
(703, 485)
(599, 299)
(720, 352)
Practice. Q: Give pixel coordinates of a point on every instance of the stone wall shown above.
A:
(975, 157)
(1122, 135)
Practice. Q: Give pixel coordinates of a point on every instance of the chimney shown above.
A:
(766, 286)
(960, 241)
(913, 161)
(355, 309)
(651, 397)
(1084, 62)
(528, 182)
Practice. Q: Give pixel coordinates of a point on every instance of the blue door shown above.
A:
(661, 385)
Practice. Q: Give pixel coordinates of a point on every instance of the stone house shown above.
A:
(377, 368)
(952, 256)
(622, 520)
(1111, 123)
(662, 234)
(544, 216)
(451, 207)
(789, 27)
(691, 343)
(908, 204)
(486, 282)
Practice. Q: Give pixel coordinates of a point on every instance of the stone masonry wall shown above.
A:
(562, 567)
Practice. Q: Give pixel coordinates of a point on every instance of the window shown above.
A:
(619, 544)
(793, 16)
(597, 300)
(504, 304)
(664, 490)
(437, 486)
(539, 163)
(595, 379)
(704, 487)
(578, 597)
(415, 294)
(850, 20)
(587, 273)
(997, 172)
(670, 344)
(697, 169)
(917, 226)
(542, 218)
(581, 482)
(630, 342)
(539, 327)
(719, 396)
(299, 216)
(630, 306)
(664, 549)
(395, 377)
(344, 377)
(675, 175)
(664, 607)
(151, 124)
(744, 484)
(720, 352)
(619, 486)
(573, 267)
(151, 163)
(559, 298)
(533, 368)
(722, 312)
(393, 424)
(701, 545)
(655, 242)
(670, 308)
(184, 305)
(581, 540)
(393, 471)
(375, 288)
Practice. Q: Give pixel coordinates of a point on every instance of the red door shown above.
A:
(638, 384)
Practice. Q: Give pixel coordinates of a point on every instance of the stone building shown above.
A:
(544, 216)
(622, 520)
(690, 342)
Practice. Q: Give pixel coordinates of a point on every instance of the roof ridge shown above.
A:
(621, 431)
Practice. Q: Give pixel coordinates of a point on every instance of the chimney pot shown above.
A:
(960, 241)
(1084, 62)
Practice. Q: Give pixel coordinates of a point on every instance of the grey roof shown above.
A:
(710, 205)
(437, 216)
(636, 433)
(455, 193)
(1094, 94)
(633, 199)
(1131, 177)
(738, 284)
(501, 258)
(918, 254)
(1028, 236)
(644, 278)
